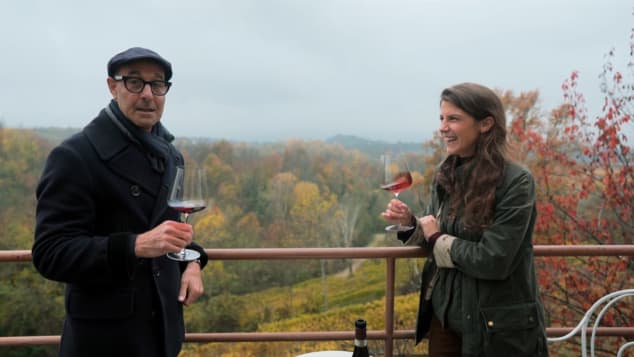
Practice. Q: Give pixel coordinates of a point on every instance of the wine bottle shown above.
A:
(360, 339)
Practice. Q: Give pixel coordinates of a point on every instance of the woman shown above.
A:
(479, 295)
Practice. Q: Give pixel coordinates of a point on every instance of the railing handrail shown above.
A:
(365, 252)
(388, 253)
(207, 337)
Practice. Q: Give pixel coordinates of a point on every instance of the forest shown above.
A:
(326, 194)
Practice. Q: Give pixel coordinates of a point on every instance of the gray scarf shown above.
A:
(155, 144)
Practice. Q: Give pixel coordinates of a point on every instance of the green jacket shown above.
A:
(486, 285)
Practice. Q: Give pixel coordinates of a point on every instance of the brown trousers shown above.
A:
(443, 342)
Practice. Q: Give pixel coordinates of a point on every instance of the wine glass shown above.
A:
(396, 178)
(187, 197)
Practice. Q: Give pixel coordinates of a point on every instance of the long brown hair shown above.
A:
(474, 191)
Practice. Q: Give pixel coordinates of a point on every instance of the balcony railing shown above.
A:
(388, 334)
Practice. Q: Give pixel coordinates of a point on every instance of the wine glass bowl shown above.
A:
(396, 178)
(401, 181)
(186, 196)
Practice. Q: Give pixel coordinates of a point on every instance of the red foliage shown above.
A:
(585, 179)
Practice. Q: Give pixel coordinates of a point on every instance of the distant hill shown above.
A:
(374, 148)
(55, 135)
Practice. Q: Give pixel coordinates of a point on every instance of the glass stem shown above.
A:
(396, 196)
(182, 253)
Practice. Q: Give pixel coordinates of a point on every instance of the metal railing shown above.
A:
(388, 334)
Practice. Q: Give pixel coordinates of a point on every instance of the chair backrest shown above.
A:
(608, 300)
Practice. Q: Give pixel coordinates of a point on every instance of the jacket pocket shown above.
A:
(116, 304)
(511, 330)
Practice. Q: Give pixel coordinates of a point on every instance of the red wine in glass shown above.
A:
(397, 178)
(402, 181)
(187, 197)
(187, 207)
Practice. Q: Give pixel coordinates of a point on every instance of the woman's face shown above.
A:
(459, 130)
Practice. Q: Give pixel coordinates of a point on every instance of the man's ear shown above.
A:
(112, 86)
(486, 124)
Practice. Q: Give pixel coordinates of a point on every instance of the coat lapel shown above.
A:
(122, 158)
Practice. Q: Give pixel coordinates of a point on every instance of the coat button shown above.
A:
(490, 323)
(135, 190)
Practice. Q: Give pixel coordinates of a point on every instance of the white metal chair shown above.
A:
(608, 300)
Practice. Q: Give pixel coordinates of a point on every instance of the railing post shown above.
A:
(389, 306)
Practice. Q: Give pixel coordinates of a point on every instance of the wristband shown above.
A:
(433, 238)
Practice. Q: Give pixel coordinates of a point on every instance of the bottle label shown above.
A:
(360, 343)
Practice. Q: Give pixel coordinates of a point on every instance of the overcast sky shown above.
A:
(277, 69)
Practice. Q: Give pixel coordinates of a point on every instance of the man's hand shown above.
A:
(191, 284)
(167, 237)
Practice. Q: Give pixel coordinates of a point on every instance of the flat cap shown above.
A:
(135, 54)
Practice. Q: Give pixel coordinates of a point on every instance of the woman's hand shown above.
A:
(429, 225)
(397, 212)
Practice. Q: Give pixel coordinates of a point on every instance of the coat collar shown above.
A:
(106, 138)
(109, 141)
(115, 150)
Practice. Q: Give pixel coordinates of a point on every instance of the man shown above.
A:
(103, 225)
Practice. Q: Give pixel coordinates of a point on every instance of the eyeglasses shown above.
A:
(137, 85)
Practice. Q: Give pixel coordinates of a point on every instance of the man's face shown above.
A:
(143, 109)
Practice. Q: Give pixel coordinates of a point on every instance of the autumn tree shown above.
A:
(344, 223)
(23, 310)
(585, 184)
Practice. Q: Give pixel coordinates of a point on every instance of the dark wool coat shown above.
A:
(98, 191)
